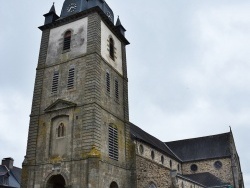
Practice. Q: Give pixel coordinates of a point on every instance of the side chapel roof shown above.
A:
(206, 179)
(139, 134)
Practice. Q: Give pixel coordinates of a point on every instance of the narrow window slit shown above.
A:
(67, 40)
(54, 87)
(113, 143)
(108, 82)
(116, 89)
(71, 78)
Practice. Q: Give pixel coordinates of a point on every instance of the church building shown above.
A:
(80, 135)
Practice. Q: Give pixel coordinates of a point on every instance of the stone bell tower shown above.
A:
(79, 133)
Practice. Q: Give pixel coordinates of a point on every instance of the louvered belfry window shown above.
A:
(116, 89)
(108, 82)
(67, 40)
(54, 87)
(71, 78)
(113, 143)
(111, 48)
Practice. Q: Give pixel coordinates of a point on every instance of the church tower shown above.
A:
(79, 132)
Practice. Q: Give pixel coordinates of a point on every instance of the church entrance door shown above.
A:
(56, 181)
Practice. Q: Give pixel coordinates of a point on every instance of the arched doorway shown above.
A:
(152, 185)
(113, 185)
(56, 181)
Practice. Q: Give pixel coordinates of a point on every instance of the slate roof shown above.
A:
(3, 170)
(16, 173)
(14, 176)
(139, 134)
(206, 179)
(209, 147)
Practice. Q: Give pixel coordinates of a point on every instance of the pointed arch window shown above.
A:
(67, 40)
(111, 48)
(61, 130)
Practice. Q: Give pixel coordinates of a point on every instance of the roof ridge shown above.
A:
(201, 137)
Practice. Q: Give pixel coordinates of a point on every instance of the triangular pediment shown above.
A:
(60, 104)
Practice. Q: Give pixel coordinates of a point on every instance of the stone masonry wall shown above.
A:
(167, 161)
(151, 172)
(224, 173)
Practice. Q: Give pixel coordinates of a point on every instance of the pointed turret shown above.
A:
(51, 16)
(52, 9)
(119, 26)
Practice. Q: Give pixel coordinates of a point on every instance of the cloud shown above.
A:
(13, 124)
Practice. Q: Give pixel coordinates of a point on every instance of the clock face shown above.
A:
(71, 7)
(109, 15)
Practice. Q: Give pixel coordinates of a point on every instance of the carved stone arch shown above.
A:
(67, 30)
(55, 174)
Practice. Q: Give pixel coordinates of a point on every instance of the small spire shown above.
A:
(118, 22)
(53, 8)
(119, 26)
(51, 16)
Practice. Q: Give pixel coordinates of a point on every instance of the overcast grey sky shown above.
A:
(188, 69)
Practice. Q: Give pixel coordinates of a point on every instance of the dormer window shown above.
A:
(67, 40)
(111, 48)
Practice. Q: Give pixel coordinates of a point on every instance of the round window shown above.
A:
(217, 164)
(141, 149)
(152, 155)
(194, 167)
